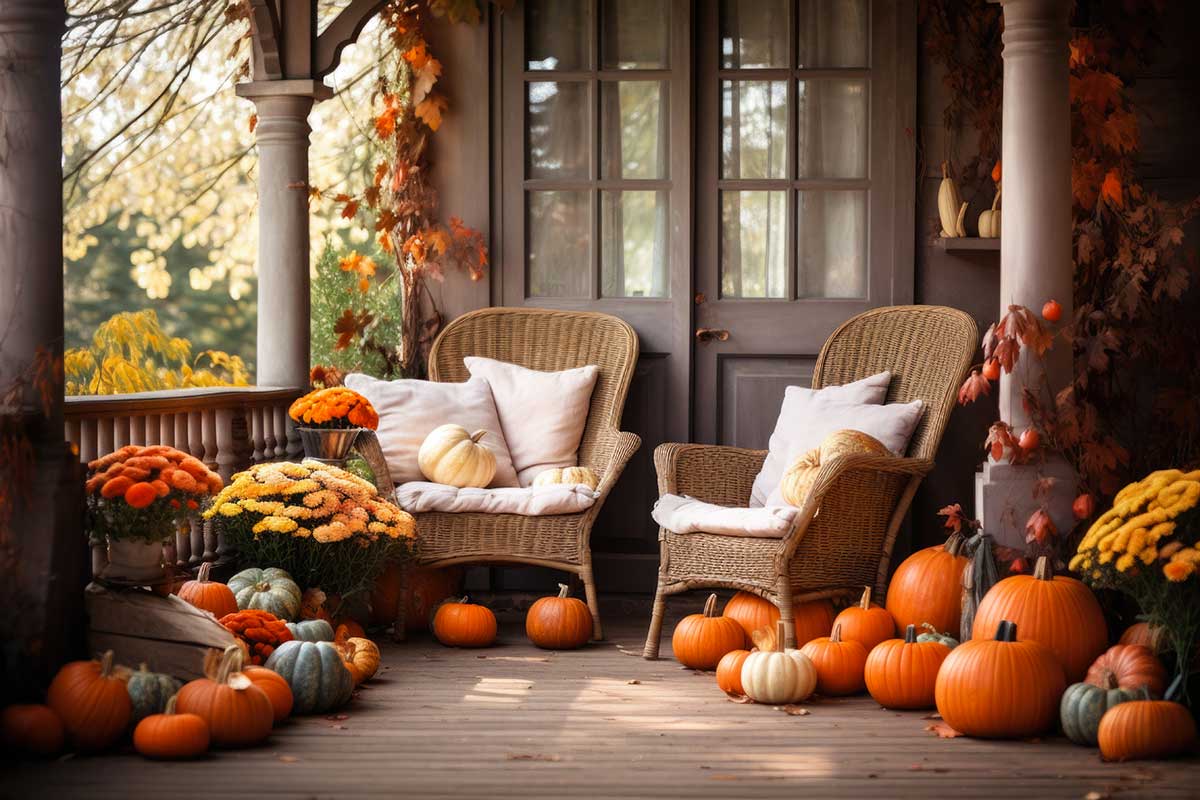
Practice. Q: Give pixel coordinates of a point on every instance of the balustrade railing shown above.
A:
(226, 428)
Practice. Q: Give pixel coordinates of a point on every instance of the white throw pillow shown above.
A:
(420, 497)
(410, 409)
(800, 426)
(542, 413)
(892, 425)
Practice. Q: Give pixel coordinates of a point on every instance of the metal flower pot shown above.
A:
(134, 562)
(330, 445)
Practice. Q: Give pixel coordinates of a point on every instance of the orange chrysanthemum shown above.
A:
(141, 475)
(140, 495)
(335, 407)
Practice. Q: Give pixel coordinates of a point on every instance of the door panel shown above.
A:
(751, 391)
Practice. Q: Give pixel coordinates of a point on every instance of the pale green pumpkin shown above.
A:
(149, 692)
(271, 590)
(319, 679)
(311, 630)
(1084, 704)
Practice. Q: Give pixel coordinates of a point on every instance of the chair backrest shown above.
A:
(926, 348)
(550, 341)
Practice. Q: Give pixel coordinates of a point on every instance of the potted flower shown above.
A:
(329, 421)
(137, 497)
(324, 526)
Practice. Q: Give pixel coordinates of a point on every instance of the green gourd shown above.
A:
(149, 692)
(932, 635)
(270, 589)
(1083, 705)
(319, 679)
(311, 630)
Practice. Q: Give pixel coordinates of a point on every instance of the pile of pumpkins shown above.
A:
(1032, 635)
(553, 623)
(281, 665)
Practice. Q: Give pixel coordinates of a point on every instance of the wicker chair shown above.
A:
(544, 340)
(862, 499)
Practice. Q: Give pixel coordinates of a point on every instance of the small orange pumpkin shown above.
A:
(34, 729)
(901, 673)
(1001, 687)
(1146, 728)
(867, 623)
(361, 657)
(211, 596)
(927, 587)
(348, 628)
(700, 640)
(170, 735)
(276, 687)
(729, 672)
(457, 623)
(237, 711)
(559, 623)
(1129, 666)
(92, 701)
(840, 663)
(754, 613)
(1142, 633)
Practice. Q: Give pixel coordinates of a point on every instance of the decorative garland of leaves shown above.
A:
(1133, 402)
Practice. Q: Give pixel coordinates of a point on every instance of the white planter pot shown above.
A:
(134, 562)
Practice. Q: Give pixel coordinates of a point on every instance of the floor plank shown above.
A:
(514, 721)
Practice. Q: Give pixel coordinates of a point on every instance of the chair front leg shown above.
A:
(787, 614)
(654, 635)
(589, 590)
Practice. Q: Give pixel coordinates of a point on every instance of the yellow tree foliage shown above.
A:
(131, 353)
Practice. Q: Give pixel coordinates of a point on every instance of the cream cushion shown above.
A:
(531, 501)
(410, 409)
(683, 514)
(800, 426)
(542, 413)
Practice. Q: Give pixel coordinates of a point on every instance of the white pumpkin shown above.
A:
(572, 476)
(451, 456)
(779, 676)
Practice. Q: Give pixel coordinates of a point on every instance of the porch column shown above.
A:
(283, 246)
(1035, 242)
(42, 553)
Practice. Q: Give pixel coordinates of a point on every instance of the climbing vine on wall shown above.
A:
(1133, 402)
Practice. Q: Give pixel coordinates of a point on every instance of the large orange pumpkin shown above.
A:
(238, 712)
(276, 687)
(1058, 611)
(729, 672)
(1000, 687)
(901, 673)
(1128, 666)
(421, 589)
(92, 701)
(211, 596)
(559, 623)
(927, 587)
(1147, 728)
(457, 623)
(753, 613)
(32, 729)
(700, 640)
(839, 663)
(867, 623)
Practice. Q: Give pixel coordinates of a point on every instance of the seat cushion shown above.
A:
(418, 497)
(543, 414)
(805, 419)
(689, 515)
(410, 409)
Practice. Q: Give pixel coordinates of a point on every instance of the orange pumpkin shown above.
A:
(211, 596)
(277, 689)
(840, 663)
(559, 623)
(33, 729)
(1142, 633)
(867, 623)
(901, 673)
(92, 701)
(1001, 687)
(729, 672)
(347, 628)
(361, 657)
(1058, 611)
(421, 589)
(170, 735)
(754, 613)
(237, 711)
(457, 623)
(1146, 728)
(927, 587)
(700, 640)
(1129, 666)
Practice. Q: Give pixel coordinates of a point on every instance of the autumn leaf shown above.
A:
(430, 111)
(973, 387)
(1097, 89)
(350, 210)
(1040, 528)
(942, 730)
(1085, 182)
(253, 122)
(350, 325)
(426, 70)
(1007, 351)
(1110, 190)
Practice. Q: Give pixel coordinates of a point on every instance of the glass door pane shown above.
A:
(754, 129)
(634, 34)
(831, 238)
(556, 34)
(832, 117)
(755, 33)
(558, 127)
(833, 34)
(633, 129)
(754, 244)
(633, 244)
(559, 238)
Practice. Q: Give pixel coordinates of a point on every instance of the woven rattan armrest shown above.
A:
(712, 473)
(614, 449)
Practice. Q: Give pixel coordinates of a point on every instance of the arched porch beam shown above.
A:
(343, 31)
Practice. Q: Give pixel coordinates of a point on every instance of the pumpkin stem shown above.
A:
(996, 199)
(477, 435)
(945, 169)
(202, 575)
(1006, 631)
(1173, 690)
(955, 543)
(170, 707)
(780, 636)
(929, 627)
(710, 606)
(262, 586)
(1108, 679)
(836, 636)
(864, 602)
(106, 663)
(910, 634)
(562, 590)
(231, 662)
(1043, 570)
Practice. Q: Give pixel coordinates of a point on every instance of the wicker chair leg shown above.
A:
(654, 635)
(783, 595)
(589, 590)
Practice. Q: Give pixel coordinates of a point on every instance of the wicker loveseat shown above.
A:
(843, 536)
(550, 341)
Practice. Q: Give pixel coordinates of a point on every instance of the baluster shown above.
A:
(295, 449)
(104, 436)
(120, 432)
(282, 445)
(87, 441)
(257, 435)
(208, 429)
(226, 457)
(137, 430)
(166, 430)
(195, 446)
(152, 432)
(181, 432)
(183, 545)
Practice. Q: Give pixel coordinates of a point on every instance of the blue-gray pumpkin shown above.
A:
(319, 679)
(149, 692)
(271, 590)
(1082, 706)
(311, 630)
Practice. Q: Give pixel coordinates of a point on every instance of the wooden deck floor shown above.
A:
(514, 721)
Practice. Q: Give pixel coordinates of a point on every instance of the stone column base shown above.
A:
(1004, 498)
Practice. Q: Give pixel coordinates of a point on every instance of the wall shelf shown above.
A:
(963, 243)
